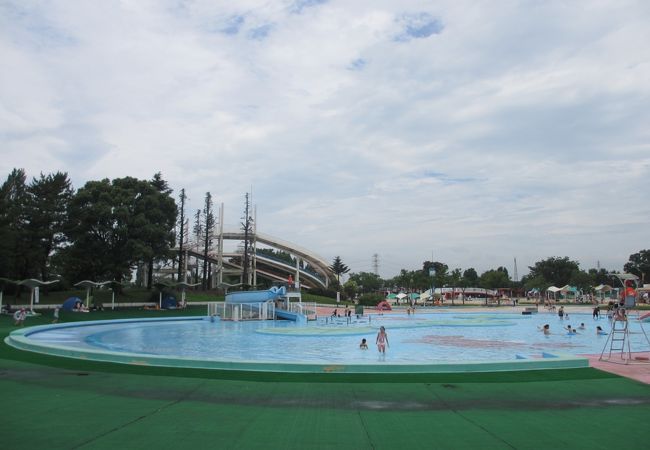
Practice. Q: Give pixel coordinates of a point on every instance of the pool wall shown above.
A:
(20, 339)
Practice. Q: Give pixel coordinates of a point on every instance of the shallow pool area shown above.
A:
(449, 341)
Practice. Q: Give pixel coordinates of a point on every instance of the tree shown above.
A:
(350, 288)
(14, 251)
(114, 225)
(600, 276)
(639, 264)
(207, 236)
(471, 276)
(157, 229)
(582, 280)
(366, 281)
(339, 268)
(440, 276)
(198, 232)
(554, 270)
(455, 279)
(47, 212)
(181, 237)
(493, 279)
(247, 228)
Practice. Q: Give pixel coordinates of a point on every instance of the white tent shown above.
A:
(601, 290)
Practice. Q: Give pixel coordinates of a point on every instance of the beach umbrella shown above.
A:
(89, 285)
(182, 286)
(34, 284)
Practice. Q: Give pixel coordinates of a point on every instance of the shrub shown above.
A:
(370, 299)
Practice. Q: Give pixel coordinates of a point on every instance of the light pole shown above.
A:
(432, 274)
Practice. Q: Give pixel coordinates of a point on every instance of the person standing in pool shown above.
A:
(596, 313)
(560, 312)
(382, 340)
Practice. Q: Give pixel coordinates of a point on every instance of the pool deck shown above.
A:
(639, 371)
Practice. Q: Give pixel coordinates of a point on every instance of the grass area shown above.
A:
(59, 403)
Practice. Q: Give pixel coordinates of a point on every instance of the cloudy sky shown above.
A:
(467, 131)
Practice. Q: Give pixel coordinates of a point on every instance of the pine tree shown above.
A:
(339, 268)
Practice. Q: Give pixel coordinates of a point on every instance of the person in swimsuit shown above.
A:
(596, 313)
(546, 329)
(382, 340)
(364, 344)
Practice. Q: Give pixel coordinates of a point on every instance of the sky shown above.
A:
(467, 132)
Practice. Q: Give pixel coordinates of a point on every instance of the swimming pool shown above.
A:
(450, 341)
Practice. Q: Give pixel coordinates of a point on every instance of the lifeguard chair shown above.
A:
(618, 340)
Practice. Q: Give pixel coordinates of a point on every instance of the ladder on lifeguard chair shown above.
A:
(619, 341)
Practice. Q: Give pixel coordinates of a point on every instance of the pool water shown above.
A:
(419, 339)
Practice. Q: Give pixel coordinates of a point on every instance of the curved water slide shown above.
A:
(320, 279)
(313, 259)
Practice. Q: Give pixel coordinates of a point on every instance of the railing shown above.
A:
(242, 311)
(307, 309)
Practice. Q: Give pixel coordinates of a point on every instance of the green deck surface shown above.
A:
(58, 403)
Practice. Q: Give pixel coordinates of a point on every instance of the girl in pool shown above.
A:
(382, 340)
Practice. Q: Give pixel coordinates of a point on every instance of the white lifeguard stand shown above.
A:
(618, 341)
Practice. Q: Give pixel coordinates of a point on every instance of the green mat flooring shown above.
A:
(55, 403)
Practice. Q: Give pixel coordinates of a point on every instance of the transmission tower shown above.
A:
(516, 275)
(375, 264)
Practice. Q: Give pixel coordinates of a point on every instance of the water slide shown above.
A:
(256, 296)
(272, 294)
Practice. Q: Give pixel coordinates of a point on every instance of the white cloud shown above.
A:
(475, 132)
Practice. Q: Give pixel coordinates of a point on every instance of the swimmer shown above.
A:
(560, 312)
(571, 330)
(582, 326)
(600, 331)
(382, 340)
(364, 344)
(596, 313)
(546, 329)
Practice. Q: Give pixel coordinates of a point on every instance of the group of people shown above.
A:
(381, 341)
(546, 329)
(346, 313)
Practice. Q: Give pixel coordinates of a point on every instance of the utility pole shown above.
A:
(181, 241)
(247, 225)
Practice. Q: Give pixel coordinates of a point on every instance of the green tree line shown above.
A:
(102, 231)
(552, 271)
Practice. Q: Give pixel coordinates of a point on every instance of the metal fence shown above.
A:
(242, 311)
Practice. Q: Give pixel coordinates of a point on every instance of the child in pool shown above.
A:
(382, 340)
(546, 329)
(364, 344)
(600, 331)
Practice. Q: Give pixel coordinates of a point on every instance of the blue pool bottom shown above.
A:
(22, 339)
